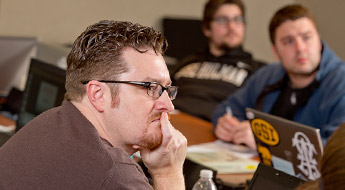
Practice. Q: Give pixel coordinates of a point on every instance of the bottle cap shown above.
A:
(206, 173)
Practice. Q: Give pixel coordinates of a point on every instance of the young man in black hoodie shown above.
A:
(207, 78)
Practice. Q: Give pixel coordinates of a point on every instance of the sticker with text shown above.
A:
(265, 132)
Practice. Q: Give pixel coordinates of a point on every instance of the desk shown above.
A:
(194, 129)
(4, 121)
(200, 131)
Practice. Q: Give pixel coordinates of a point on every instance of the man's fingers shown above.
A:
(245, 136)
(226, 124)
(223, 134)
(164, 118)
(167, 129)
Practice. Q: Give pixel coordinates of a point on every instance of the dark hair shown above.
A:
(333, 160)
(290, 12)
(96, 53)
(212, 6)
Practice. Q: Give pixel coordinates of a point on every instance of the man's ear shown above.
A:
(96, 95)
(206, 32)
(275, 52)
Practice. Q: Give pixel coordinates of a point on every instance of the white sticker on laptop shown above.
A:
(306, 155)
(283, 165)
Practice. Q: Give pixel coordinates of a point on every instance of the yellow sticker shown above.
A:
(251, 167)
(265, 155)
(265, 132)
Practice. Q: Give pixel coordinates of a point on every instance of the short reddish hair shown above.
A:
(96, 53)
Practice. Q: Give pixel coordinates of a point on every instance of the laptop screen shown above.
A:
(286, 145)
(45, 89)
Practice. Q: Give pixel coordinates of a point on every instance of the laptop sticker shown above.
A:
(265, 132)
(305, 154)
(265, 155)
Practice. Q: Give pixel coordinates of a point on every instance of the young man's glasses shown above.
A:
(154, 89)
(223, 20)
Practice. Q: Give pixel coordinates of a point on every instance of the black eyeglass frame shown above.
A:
(172, 93)
(223, 20)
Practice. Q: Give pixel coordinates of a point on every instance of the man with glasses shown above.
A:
(207, 78)
(118, 96)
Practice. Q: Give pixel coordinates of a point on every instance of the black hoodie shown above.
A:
(205, 80)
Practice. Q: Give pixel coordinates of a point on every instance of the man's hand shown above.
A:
(226, 127)
(230, 129)
(244, 135)
(165, 163)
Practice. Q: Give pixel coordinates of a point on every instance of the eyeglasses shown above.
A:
(154, 89)
(226, 20)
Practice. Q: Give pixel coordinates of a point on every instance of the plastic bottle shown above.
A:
(205, 182)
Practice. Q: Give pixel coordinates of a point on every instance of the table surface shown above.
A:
(5, 121)
(194, 129)
(200, 131)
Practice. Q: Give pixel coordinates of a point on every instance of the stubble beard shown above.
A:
(151, 140)
(226, 46)
(152, 137)
(307, 73)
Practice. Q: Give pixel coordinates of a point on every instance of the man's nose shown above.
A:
(300, 44)
(232, 24)
(164, 102)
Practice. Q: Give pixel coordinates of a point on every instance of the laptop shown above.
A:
(266, 177)
(286, 145)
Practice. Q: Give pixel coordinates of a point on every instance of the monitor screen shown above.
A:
(45, 89)
(185, 37)
(15, 57)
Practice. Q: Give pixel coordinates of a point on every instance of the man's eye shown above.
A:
(152, 87)
(306, 38)
(221, 20)
(238, 19)
(287, 41)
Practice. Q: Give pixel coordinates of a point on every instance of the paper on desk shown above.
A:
(224, 157)
(7, 129)
(218, 145)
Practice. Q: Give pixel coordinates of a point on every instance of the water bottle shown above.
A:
(205, 182)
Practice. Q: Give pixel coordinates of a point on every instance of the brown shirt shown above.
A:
(61, 149)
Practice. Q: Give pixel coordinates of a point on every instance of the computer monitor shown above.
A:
(15, 54)
(185, 37)
(45, 89)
